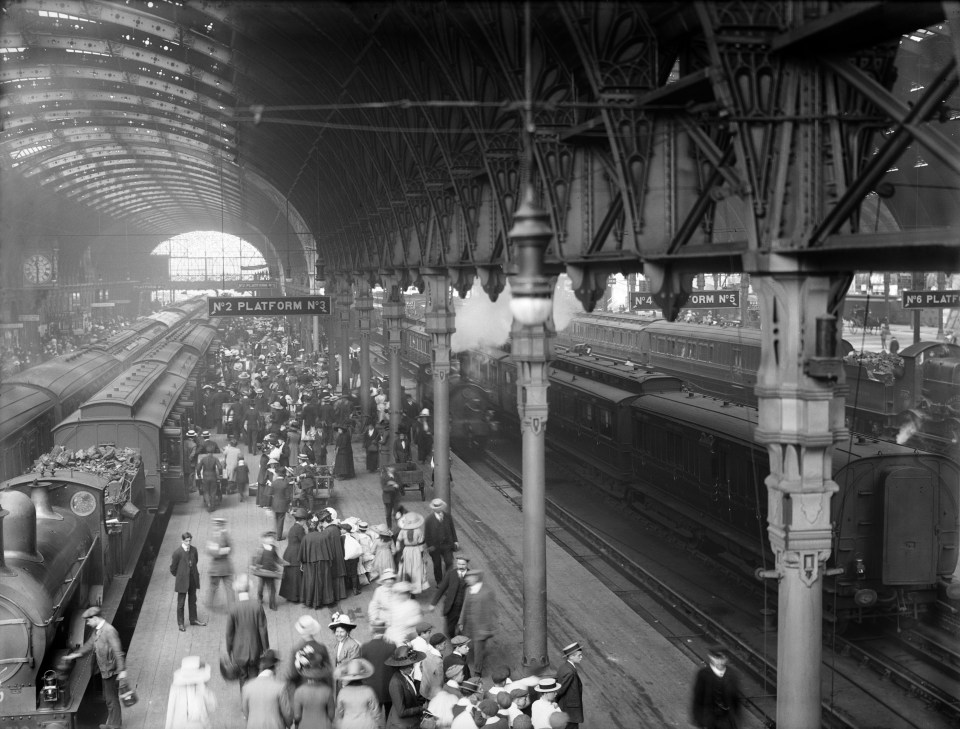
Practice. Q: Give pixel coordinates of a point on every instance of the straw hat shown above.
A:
(547, 685)
(388, 574)
(192, 670)
(355, 669)
(307, 625)
(341, 620)
(438, 504)
(411, 520)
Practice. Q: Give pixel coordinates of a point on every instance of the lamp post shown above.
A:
(532, 307)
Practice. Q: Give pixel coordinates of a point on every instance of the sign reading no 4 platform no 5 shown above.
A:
(268, 306)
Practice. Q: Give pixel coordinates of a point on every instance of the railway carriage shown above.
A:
(920, 405)
(147, 407)
(32, 402)
(691, 461)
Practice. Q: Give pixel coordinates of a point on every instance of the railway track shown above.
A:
(687, 595)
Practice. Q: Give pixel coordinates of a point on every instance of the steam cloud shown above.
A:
(484, 322)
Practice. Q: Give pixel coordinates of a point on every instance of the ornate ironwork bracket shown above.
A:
(670, 287)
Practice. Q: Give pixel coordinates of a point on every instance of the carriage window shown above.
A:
(587, 415)
(605, 422)
(737, 357)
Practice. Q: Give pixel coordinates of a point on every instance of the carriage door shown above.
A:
(909, 527)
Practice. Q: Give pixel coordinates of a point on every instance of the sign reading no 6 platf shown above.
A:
(268, 306)
(931, 299)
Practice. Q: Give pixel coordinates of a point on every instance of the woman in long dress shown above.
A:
(343, 466)
(382, 550)
(292, 574)
(412, 566)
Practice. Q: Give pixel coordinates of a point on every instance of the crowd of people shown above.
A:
(409, 674)
(414, 671)
(16, 356)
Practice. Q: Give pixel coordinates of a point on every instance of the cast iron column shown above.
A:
(440, 325)
(344, 300)
(799, 421)
(393, 311)
(531, 350)
(364, 306)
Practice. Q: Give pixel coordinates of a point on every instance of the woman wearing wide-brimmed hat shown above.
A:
(292, 574)
(383, 549)
(190, 704)
(357, 705)
(343, 465)
(413, 555)
(406, 709)
(312, 702)
(347, 648)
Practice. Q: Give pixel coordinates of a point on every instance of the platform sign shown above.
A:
(697, 300)
(931, 299)
(268, 305)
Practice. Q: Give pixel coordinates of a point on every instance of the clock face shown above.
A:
(37, 269)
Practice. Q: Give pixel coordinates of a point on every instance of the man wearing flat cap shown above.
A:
(440, 536)
(570, 694)
(105, 645)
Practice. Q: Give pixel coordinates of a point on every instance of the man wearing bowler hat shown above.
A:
(570, 694)
(440, 536)
(105, 644)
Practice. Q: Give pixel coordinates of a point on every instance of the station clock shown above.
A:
(37, 269)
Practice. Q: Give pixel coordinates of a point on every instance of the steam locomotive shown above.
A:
(70, 539)
(33, 401)
(73, 537)
(917, 402)
(647, 441)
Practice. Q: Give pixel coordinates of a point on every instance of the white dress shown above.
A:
(405, 613)
(413, 559)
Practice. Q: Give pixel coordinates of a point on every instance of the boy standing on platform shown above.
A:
(184, 567)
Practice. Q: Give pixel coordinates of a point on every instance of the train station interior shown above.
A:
(688, 270)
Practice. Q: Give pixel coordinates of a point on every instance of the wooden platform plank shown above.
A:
(633, 676)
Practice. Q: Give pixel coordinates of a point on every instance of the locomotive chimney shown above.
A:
(40, 496)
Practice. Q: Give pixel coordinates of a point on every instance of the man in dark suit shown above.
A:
(451, 590)
(570, 694)
(377, 650)
(280, 499)
(183, 567)
(440, 536)
(247, 636)
(478, 618)
(716, 694)
(407, 707)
